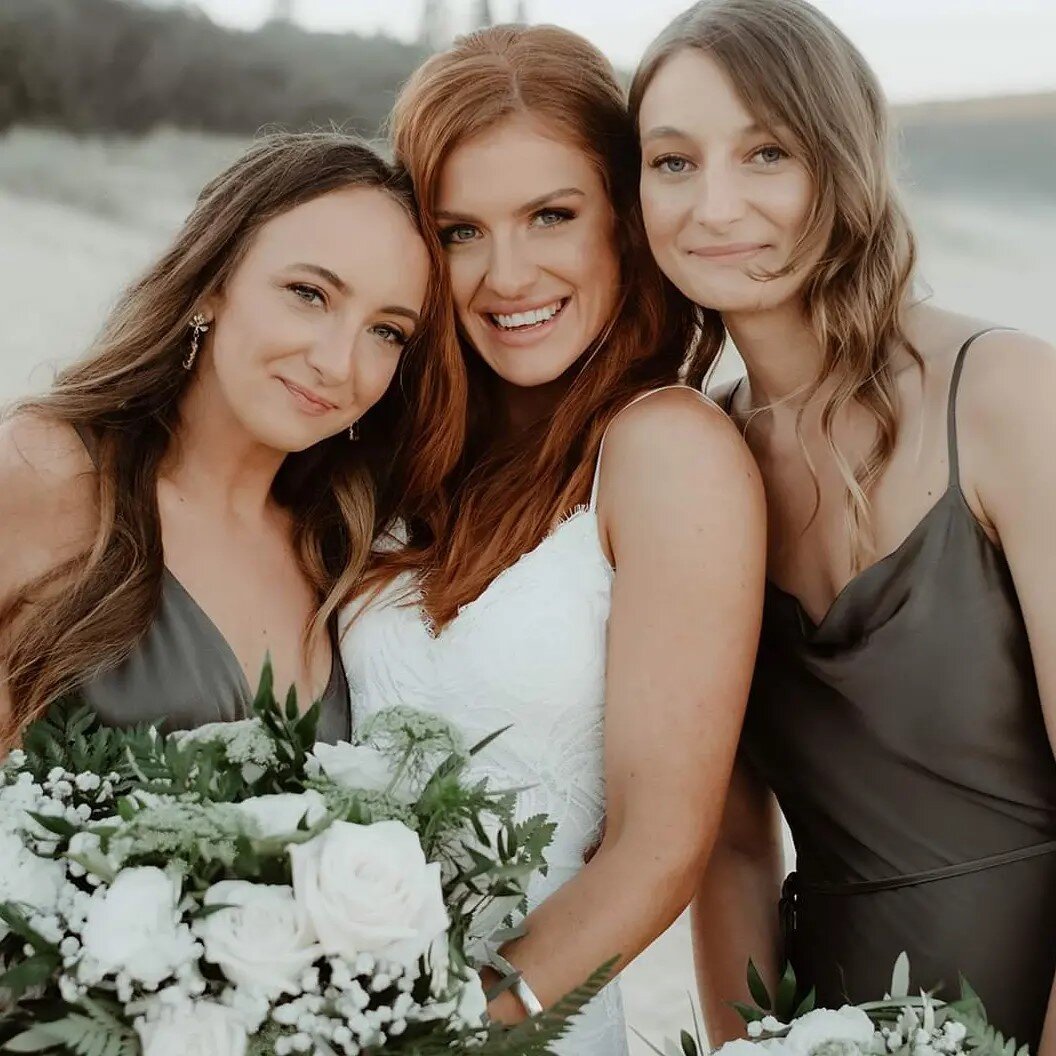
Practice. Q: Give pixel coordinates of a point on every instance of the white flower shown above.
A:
(134, 927)
(203, 1028)
(369, 889)
(358, 767)
(831, 1032)
(741, 1047)
(472, 1002)
(34, 883)
(264, 942)
(279, 815)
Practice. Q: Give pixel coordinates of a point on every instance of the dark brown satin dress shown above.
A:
(183, 672)
(904, 739)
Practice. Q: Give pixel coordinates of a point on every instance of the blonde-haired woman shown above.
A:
(904, 698)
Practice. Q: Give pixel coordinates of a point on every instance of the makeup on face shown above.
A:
(309, 329)
(530, 239)
(725, 198)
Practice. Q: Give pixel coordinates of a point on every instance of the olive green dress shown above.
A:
(184, 673)
(904, 738)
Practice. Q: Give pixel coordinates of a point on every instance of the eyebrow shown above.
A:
(338, 283)
(528, 207)
(669, 131)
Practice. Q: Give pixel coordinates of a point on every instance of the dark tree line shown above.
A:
(117, 66)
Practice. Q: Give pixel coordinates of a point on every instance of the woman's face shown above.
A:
(307, 332)
(530, 237)
(724, 200)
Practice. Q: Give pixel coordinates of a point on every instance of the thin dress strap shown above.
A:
(951, 407)
(601, 447)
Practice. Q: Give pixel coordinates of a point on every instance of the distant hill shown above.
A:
(1004, 147)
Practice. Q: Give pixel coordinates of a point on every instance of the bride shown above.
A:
(590, 573)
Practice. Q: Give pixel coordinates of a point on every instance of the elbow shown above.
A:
(667, 876)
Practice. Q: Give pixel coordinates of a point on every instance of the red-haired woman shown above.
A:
(601, 599)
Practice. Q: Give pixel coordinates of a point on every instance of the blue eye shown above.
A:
(673, 164)
(458, 234)
(391, 335)
(551, 217)
(309, 294)
(770, 154)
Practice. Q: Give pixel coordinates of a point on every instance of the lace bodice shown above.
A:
(529, 653)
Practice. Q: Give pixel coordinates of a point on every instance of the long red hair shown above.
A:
(499, 499)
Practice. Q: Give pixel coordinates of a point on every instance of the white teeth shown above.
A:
(538, 315)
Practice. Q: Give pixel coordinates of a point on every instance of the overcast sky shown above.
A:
(921, 48)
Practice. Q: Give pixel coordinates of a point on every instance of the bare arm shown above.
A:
(735, 913)
(47, 503)
(1008, 435)
(683, 513)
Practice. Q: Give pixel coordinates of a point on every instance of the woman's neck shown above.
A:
(216, 461)
(781, 353)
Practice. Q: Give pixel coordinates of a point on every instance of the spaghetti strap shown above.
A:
(951, 407)
(601, 447)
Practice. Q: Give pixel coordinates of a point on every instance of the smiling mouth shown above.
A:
(519, 322)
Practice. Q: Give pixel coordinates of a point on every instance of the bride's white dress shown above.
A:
(529, 653)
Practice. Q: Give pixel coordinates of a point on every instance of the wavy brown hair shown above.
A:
(86, 615)
(500, 498)
(792, 66)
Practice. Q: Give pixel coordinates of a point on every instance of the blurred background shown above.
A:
(113, 113)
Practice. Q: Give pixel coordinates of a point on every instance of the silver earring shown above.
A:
(199, 325)
(353, 431)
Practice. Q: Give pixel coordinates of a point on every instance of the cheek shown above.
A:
(661, 210)
(464, 273)
(789, 203)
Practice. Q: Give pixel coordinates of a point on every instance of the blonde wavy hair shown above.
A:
(792, 66)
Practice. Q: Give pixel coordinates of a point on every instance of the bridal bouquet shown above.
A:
(898, 1025)
(240, 890)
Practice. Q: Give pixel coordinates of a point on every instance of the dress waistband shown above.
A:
(794, 886)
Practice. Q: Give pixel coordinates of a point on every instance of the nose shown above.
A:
(332, 354)
(511, 270)
(720, 198)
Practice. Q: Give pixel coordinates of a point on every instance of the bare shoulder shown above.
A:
(47, 497)
(680, 436)
(1007, 387)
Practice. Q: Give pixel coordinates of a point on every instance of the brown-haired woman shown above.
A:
(198, 492)
(908, 658)
(603, 604)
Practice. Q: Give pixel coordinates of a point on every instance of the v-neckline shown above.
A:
(225, 646)
(809, 624)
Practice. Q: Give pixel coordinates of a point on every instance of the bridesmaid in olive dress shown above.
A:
(198, 492)
(904, 699)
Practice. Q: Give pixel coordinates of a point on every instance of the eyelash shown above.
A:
(447, 234)
(398, 338)
(299, 289)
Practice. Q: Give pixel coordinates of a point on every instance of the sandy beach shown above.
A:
(69, 244)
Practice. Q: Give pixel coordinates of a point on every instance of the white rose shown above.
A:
(472, 1002)
(740, 1047)
(134, 926)
(369, 889)
(264, 942)
(845, 1030)
(34, 883)
(279, 815)
(359, 767)
(203, 1028)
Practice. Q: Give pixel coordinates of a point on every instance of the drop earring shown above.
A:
(353, 431)
(199, 325)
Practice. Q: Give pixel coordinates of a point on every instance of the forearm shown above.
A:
(735, 918)
(614, 907)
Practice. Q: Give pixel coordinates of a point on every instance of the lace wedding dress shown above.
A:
(529, 653)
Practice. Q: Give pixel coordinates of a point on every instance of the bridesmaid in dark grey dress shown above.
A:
(904, 700)
(199, 491)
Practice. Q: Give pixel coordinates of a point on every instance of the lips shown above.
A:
(729, 251)
(308, 399)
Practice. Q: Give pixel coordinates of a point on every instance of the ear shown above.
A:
(210, 305)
